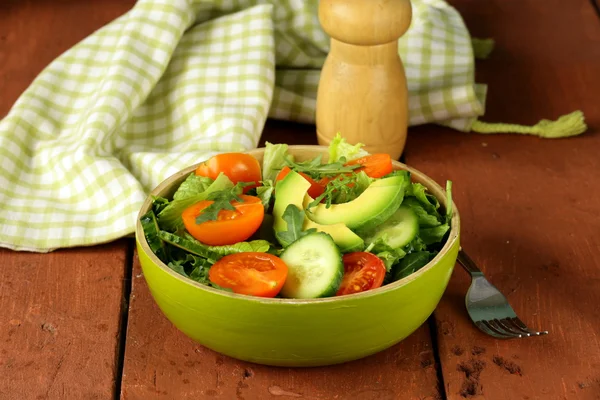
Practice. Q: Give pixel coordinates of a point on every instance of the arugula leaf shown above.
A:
(221, 201)
(339, 148)
(274, 158)
(412, 263)
(316, 170)
(425, 219)
(433, 235)
(265, 193)
(192, 186)
(170, 217)
(355, 185)
(294, 217)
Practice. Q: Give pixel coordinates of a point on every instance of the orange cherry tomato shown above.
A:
(238, 167)
(374, 165)
(316, 188)
(362, 271)
(231, 226)
(250, 273)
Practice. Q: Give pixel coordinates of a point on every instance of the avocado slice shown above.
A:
(375, 205)
(293, 190)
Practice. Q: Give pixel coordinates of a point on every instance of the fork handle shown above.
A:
(468, 264)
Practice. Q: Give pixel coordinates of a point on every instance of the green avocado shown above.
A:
(375, 205)
(293, 190)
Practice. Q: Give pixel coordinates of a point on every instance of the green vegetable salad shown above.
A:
(293, 228)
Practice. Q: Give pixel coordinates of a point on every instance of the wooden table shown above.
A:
(80, 323)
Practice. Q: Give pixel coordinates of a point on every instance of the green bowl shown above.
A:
(295, 332)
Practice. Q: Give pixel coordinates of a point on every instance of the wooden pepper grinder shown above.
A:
(362, 90)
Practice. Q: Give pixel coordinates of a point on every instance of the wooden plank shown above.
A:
(162, 363)
(61, 312)
(528, 206)
(61, 316)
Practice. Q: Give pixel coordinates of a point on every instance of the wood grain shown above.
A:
(60, 312)
(60, 315)
(162, 363)
(528, 206)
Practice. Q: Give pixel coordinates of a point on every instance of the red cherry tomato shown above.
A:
(238, 167)
(254, 274)
(374, 165)
(230, 227)
(362, 271)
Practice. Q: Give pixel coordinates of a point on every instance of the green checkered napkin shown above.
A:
(171, 83)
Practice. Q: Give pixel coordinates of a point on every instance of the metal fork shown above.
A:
(489, 309)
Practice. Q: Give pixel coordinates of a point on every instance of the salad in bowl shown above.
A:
(297, 229)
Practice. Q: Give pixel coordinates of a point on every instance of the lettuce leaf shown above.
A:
(193, 185)
(170, 217)
(339, 148)
(158, 204)
(425, 219)
(212, 253)
(265, 193)
(391, 257)
(256, 246)
(274, 160)
(428, 201)
(433, 235)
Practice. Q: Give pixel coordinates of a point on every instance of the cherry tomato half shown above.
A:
(362, 271)
(374, 165)
(255, 274)
(230, 227)
(316, 188)
(238, 167)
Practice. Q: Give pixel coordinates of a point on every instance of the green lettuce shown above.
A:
(425, 219)
(339, 148)
(192, 186)
(274, 158)
(433, 235)
(212, 253)
(391, 257)
(265, 193)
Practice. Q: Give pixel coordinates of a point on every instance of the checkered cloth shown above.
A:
(171, 83)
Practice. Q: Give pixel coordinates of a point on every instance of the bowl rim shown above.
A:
(424, 179)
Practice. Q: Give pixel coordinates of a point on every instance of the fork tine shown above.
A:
(506, 325)
(498, 328)
(488, 331)
(519, 324)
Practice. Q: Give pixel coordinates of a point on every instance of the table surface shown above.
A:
(80, 323)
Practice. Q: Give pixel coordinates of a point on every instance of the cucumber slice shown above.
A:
(315, 267)
(397, 231)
